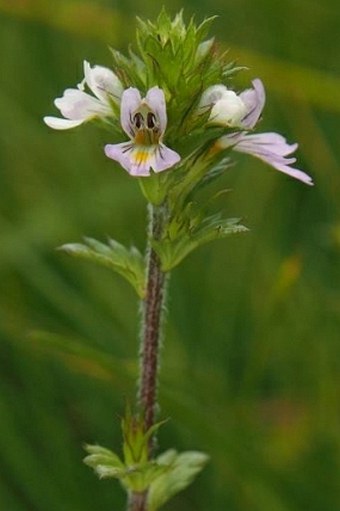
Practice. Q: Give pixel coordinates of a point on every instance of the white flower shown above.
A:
(77, 106)
(227, 108)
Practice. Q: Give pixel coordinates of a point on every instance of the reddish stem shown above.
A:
(150, 346)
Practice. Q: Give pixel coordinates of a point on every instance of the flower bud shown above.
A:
(227, 109)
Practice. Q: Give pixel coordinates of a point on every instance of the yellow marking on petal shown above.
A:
(141, 156)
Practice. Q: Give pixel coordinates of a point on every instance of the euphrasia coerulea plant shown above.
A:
(175, 122)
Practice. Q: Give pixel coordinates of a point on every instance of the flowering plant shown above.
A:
(173, 100)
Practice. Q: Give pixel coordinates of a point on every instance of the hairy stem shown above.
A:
(152, 316)
(150, 339)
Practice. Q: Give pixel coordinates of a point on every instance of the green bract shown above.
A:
(180, 60)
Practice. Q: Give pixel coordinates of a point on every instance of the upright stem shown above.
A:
(151, 327)
(150, 339)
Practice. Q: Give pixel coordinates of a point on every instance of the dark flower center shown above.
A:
(146, 128)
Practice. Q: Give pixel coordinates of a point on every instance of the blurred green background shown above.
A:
(250, 369)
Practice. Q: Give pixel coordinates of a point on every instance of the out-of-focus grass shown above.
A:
(251, 360)
(83, 18)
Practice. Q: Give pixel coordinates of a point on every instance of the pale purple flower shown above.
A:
(77, 106)
(144, 121)
(271, 148)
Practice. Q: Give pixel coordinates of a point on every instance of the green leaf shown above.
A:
(203, 49)
(134, 476)
(172, 252)
(98, 450)
(196, 169)
(105, 463)
(203, 29)
(153, 188)
(230, 69)
(130, 70)
(214, 173)
(138, 478)
(136, 438)
(129, 263)
(182, 470)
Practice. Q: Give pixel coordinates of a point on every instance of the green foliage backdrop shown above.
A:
(250, 369)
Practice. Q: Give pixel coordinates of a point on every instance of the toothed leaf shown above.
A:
(172, 252)
(129, 263)
(182, 470)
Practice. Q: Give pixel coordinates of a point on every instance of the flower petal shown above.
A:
(62, 124)
(135, 159)
(165, 158)
(76, 104)
(138, 159)
(103, 82)
(131, 100)
(229, 110)
(211, 95)
(271, 148)
(142, 160)
(155, 99)
(254, 100)
(120, 153)
(274, 140)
